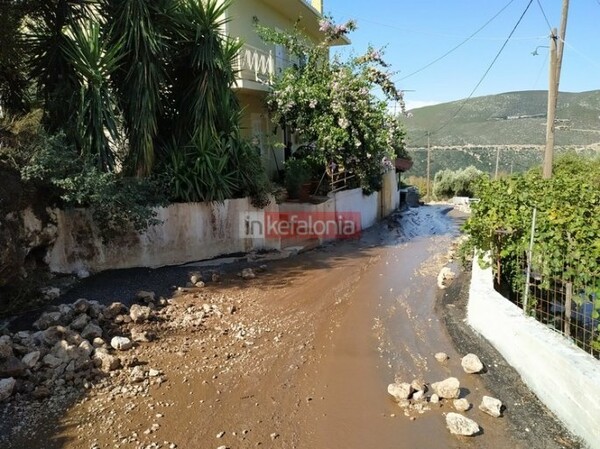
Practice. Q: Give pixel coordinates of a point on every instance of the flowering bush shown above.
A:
(331, 104)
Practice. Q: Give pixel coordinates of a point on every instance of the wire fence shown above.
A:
(569, 305)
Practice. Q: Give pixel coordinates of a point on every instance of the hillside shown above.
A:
(512, 123)
(514, 118)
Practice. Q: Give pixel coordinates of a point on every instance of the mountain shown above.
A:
(513, 118)
(470, 132)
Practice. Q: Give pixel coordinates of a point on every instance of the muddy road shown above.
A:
(299, 357)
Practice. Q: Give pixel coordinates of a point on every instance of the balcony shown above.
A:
(255, 68)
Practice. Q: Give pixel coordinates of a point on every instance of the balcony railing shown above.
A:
(255, 64)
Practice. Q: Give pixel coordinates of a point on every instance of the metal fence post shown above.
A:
(568, 302)
(529, 255)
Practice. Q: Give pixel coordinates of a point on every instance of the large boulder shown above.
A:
(471, 364)
(447, 389)
(461, 425)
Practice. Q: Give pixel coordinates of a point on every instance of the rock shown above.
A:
(445, 277)
(80, 321)
(98, 343)
(41, 392)
(86, 347)
(461, 425)
(6, 388)
(195, 278)
(52, 361)
(216, 277)
(400, 390)
(248, 273)
(418, 385)
(12, 367)
(199, 284)
(121, 343)
(461, 405)
(67, 313)
(137, 374)
(153, 372)
(50, 293)
(91, 331)
(106, 361)
(112, 311)
(434, 399)
(95, 310)
(81, 305)
(53, 335)
(139, 314)
(141, 335)
(30, 360)
(47, 319)
(6, 347)
(82, 273)
(418, 395)
(447, 389)
(441, 357)
(471, 364)
(491, 406)
(145, 297)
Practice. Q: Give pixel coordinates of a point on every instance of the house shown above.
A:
(258, 62)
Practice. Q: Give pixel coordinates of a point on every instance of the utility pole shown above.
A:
(428, 167)
(552, 96)
(556, 54)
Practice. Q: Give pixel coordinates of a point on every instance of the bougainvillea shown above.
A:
(333, 104)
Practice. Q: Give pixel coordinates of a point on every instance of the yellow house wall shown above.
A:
(241, 14)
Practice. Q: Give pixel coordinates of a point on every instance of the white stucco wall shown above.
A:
(564, 377)
(191, 232)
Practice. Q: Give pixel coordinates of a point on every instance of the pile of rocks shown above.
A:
(73, 345)
(413, 397)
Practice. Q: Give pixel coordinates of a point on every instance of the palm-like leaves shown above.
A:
(49, 65)
(140, 78)
(95, 118)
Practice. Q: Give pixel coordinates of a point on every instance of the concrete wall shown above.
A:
(189, 232)
(564, 377)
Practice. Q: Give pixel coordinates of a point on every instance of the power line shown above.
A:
(545, 16)
(464, 102)
(460, 44)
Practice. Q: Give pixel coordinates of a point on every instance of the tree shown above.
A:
(331, 104)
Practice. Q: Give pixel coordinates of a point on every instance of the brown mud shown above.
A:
(301, 356)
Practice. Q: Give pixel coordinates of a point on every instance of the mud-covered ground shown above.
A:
(298, 357)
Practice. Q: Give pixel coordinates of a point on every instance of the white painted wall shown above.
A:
(188, 232)
(564, 377)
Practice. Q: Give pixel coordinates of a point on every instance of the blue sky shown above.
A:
(416, 32)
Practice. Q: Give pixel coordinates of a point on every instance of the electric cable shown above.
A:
(464, 102)
(545, 16)
(459, 45)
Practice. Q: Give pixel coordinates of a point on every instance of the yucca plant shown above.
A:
(139, 28)
(49, 66)
(95, 118)
(201, 69)
(14, 95)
